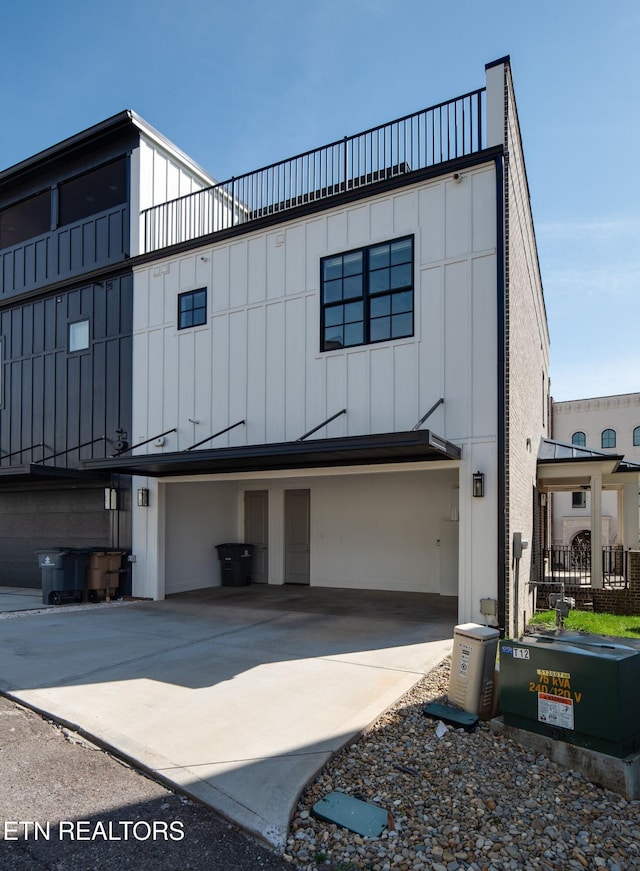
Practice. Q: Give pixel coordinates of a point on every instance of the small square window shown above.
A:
(79, 336)
(579, 499)
(192, 308)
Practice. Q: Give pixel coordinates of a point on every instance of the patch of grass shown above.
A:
(596, 624)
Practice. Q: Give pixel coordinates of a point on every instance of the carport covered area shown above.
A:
(238, 696)
(375, 511)
(385, 530)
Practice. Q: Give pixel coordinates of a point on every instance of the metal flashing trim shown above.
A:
(501, 60)
(552, 451)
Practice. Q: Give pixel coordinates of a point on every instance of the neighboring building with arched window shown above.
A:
(610, 423)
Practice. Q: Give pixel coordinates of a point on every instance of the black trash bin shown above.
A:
(235, 563)
(63, 574)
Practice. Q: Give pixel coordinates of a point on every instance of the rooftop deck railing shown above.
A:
(435, 135)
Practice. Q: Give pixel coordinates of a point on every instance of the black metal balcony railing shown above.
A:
(435, 135)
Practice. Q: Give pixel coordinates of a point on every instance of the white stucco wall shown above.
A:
(591, 416)
(371, 530)
(198, 516)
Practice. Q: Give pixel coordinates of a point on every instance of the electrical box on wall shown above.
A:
(489, 607)
(519, 544)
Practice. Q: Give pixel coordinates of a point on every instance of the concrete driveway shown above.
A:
(237, 696)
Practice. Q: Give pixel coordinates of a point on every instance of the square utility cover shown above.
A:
(351, 813)
(451, 716)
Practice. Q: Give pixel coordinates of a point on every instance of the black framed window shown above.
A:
(367, 295)
(192, 308)
(636, 437)
(579, 438)
(579, 499)
(608, 439)
(25, 220)
(93, 192)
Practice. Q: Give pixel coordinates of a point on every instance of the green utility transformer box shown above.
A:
(578, 688)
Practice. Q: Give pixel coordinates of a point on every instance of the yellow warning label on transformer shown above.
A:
(547, 673)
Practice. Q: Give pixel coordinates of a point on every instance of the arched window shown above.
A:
(608, 439)
(579, 438)
(636, 436)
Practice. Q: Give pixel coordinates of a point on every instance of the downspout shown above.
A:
(497, 135)
(501, 398)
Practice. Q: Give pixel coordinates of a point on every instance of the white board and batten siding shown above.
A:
(160, 172)
(258, 356)
(258, 359)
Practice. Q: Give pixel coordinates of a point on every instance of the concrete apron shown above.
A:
(236, 697)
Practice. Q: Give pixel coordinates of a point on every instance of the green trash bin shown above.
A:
(574, 687)
(63, 574)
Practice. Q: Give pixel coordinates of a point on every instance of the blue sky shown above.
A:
(238, 85)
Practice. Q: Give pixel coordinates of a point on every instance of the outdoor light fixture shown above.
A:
(143, 498)
(478, 483)
(110, 499)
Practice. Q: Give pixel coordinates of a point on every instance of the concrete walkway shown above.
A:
(20, 599)
(237, 696)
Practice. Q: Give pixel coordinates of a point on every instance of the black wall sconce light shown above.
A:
(143, 497)
(478, 483)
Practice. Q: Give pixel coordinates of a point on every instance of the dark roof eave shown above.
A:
(594, 458)
(414, 446)
(37, 471)
(122, 120)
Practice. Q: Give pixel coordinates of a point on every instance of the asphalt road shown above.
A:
(86, 811)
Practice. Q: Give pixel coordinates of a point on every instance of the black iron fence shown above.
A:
(434, 135)
(571, 565)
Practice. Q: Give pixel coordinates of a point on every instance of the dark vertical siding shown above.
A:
(66, 399)
(67, 252)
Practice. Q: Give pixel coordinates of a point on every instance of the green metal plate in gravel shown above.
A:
(452, 716)
(352, 813)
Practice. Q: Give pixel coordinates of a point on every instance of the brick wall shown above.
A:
(527, 360)
(606, 601)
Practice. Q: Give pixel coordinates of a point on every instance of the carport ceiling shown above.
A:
(380, 448)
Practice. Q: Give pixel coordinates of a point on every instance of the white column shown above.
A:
(629, 525)
(596, 531)
(148, 537)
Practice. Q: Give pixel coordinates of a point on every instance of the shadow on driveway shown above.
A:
(236, 695)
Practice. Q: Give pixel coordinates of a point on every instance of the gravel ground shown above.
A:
(462, 802)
